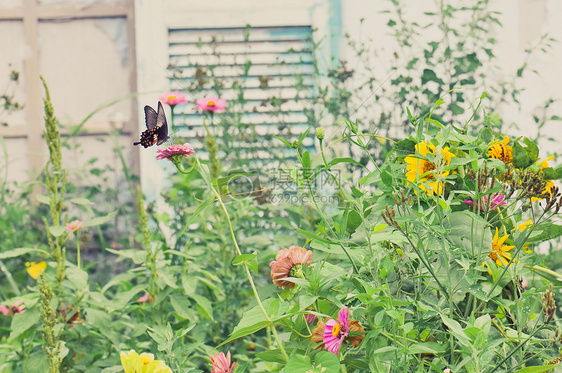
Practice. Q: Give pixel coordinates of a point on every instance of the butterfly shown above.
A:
(157, 128)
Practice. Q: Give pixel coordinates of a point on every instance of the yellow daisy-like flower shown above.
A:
(525, 225)
(422, 170)
(35, 269)
(132, 362)
(499, 253)
(549, 183)
(501, 151)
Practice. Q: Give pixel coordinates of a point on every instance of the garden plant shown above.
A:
(409, 250)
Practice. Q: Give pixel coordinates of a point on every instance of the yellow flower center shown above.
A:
(211, 103)
(426, 167)
(502, 152)
(171, 98)
(336, 330)
(144, 360)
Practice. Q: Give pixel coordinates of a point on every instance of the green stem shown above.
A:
(10, 278)
(246, 268)
(77, 251)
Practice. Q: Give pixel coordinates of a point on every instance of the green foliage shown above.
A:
(401, 249)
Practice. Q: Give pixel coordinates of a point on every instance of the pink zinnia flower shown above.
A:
(309, 318)
(211, 104)
(288, 263)
(496, 201)
(174, 152)
(145, 298)
(221, 363)
(173, 98)
(74, 226)
(335, 332)
(5, 310)
(18, 307)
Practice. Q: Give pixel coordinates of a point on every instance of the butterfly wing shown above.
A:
(151, 117)
(162, 125)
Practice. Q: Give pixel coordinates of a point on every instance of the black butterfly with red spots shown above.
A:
(157, 128)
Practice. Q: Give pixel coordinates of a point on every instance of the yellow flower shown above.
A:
(143, 363)
(35, 269)
(422, 170)
(501, 151)
(499, 253)
(525, 225)
(549, 183)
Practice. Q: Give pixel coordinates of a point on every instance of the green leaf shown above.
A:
(37, 362)
(18, 252)
(100, 220)
(520, 157)
(324, 362)
(137, 256)
(249, 259)
(532, 150)
(303, 135)
(57, 230)
(113, 369)
(387, 178)
(254, 320)
(549, 231)
(23, 321)
(284, 142)
(537, 369)
(430, 76)
(222, 181)
(196, 214)
(44, 199)
(306, 165)
(81, 201)
(274, 356)
(426, 348)
(203, 306)
(313, 236)
(485, 135)
(77, 277)
(335, 161)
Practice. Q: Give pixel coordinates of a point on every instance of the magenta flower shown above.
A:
(211, 104)
(496, 201)
(221, 363)
(173, 98)
(5, 310)
(335, 332)
(175, 152)
(145, 298)
(18, 307)
(74, 226)
(309, 318)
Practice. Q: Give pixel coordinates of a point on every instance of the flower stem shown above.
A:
(246, 268)
(77, 251)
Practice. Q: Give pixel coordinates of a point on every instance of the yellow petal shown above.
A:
(35, 269)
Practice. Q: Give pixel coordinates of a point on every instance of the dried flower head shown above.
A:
(548, 304)
(289, 263)
(501, 151)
